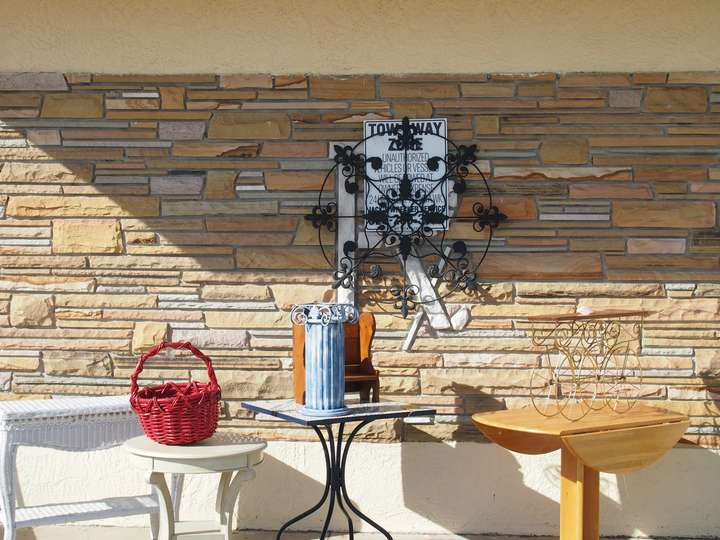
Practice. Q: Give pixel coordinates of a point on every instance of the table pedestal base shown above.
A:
(579, 499)
(166, 528)
(335, 460)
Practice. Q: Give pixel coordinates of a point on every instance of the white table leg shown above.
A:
(166, 516)
(7, 485)
(222, 488)
(228, 491)
(177, 481)
(154, 525)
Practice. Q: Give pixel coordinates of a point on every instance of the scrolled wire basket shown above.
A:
(588, 361)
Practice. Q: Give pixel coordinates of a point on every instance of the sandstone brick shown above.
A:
(132, 104)
(418, 90)
(664, 309)
(297, 180)
(662, 173)
(595, 79)
(57, 261)
(100, 206)
(252, 223)
(294, 149)
(33, 81)
(201, 208)
(610, 191)
(662, 262)
(236, 292)
(536, 90)
(154, 78)
(106, 300)
(149, 262)
(399, 359)
(246, 81)
(46, 173)
(571, 290)
(694, 77)
(387, 321)
(19, 100)
(31, 310)
(562, 173)
(243, 384)
(213, 339)
(307, 235)
(206, 149)
(680, 214)
(281, 258)
(223, 163)
(518, 310)
(86, 236)
(141, 314)
(486, 90)
(20, 363)
(487, 125)
(172, 97)
(41, 154)
(564, 151)
(597, 244)
(515, 208)
(541, 266)
(46, 284)
(474, 381)
(412, 109)
(220, 185)
(288, 295)
(43, 137)
(342, 88)
(656, 245)
(82, 363)
(249, 125)
(148, 334)
(650, 78)
(675, 100)
(625, 98)
(72, 106)
(256, 277)
(221, 94)
(181, 130)
(399, 385)
(147, 116)
(247, 319)
(176, 185)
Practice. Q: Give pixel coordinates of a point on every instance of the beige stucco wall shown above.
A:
(342, 36)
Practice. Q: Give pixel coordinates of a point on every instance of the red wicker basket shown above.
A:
(176, 413)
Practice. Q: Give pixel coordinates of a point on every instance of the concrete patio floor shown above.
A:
(140, 533)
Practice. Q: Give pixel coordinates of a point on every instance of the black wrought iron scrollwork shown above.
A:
(409, 218)
(323, 216)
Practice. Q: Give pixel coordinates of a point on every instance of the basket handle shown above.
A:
(170, 345)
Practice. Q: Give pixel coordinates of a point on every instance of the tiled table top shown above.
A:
(287, 409)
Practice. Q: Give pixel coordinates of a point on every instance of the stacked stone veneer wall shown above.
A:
(137, 208)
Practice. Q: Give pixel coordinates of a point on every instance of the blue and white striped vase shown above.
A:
(324, 355)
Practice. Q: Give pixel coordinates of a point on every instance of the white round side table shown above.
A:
(223, 453)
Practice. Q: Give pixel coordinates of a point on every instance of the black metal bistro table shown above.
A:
(335, 451)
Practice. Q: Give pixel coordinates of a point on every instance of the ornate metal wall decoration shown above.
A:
(410, 206)
(589, 361)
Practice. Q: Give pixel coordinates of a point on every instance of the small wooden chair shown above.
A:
(360, 375)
